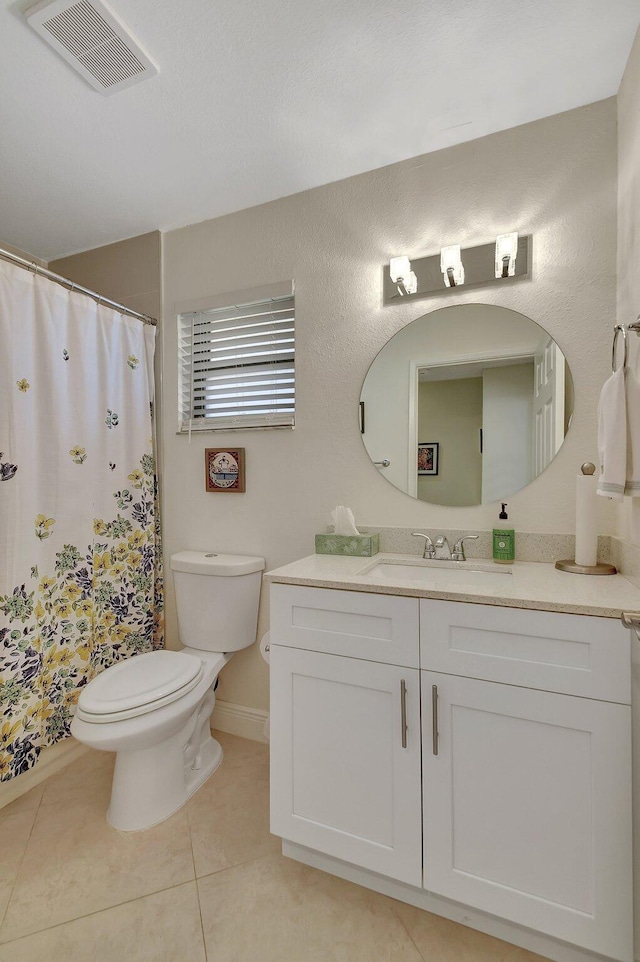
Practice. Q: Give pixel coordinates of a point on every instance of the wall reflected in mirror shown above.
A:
(487, 385)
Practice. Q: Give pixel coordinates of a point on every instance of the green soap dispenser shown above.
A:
(504, 541)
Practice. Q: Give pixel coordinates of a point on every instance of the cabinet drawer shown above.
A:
(572, 654)
(358, 625)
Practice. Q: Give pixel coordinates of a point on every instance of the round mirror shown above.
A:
(466, 405)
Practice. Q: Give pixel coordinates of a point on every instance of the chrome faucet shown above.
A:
(429, 550)
(442, 549)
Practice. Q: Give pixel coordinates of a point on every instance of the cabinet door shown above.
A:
(345, 771)
(527, 808)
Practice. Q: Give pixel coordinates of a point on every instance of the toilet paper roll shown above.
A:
(586, 520)
(265, 646)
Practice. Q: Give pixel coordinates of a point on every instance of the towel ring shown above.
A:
(617, 330)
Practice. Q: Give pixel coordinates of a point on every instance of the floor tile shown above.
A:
(240, 751)
(164, 927)
(14, 836)
(89, 778)
(276, 910)
(75, 863)
(229, 815)
(76, 889)
(29, 802)
(440, 940)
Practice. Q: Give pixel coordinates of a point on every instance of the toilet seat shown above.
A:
(139, 685)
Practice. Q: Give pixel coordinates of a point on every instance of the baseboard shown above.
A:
(51, 760)
(543, 945)
(240, 720)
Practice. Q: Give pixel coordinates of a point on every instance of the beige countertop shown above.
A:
(526, 585)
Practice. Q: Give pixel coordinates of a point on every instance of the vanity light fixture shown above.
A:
(506, 254)
(402, 275)
(451, 266)
(503, 260)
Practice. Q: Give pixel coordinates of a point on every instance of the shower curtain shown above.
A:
(80, 555)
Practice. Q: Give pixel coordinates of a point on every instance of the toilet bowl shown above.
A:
(154, 709)
(164, 746)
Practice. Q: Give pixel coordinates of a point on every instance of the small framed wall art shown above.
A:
(428, 457)
(224, 469)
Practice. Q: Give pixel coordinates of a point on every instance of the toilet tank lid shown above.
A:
(213, 563)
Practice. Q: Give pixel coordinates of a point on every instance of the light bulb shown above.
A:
(451, 266)
(506, 253)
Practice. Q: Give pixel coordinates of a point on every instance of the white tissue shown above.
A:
(343, 520)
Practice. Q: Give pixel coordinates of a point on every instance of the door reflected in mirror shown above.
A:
(483, 392)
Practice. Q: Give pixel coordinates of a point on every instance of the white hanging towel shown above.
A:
(612, 437)
(632, 393)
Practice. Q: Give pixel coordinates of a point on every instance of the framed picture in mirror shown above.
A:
(428, 453)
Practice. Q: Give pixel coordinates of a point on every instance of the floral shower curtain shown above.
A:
(80, 556)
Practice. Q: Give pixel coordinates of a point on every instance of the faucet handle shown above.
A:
(458, 548)
(429, 550)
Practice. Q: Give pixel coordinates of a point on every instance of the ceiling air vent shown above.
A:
(94, 41)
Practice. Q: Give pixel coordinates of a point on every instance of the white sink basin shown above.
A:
(437, 573)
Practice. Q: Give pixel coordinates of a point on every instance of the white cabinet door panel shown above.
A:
(351, 623)
(527, 809)
(553, 651)
(341, 781)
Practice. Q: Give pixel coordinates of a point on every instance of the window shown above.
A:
(236, 365)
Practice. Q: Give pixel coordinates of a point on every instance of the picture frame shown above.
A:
(224, 470)
(428, 457)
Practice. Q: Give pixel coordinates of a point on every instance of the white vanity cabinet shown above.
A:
(345, 730)
(506, 788)
(527, 793)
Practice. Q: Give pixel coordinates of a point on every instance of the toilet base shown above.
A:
(151, 784)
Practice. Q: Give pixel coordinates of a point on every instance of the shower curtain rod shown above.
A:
(32, 266)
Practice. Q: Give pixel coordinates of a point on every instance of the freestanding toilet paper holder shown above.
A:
(570, 564)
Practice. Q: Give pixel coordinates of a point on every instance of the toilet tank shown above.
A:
(217, 599)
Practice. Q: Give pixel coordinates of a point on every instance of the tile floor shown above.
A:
(208, 884)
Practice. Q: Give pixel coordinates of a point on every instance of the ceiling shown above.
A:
(256, 100)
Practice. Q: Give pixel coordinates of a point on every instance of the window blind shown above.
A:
(236, 366)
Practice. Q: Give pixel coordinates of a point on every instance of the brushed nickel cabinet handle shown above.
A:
(434, 719)
(403, 710)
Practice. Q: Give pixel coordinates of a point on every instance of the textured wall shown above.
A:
(127, 272)
(629, 234)
(555, 179)
(628, 310)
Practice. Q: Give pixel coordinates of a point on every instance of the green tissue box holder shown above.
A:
(363, 545)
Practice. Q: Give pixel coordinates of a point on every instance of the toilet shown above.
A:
(154, 710)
